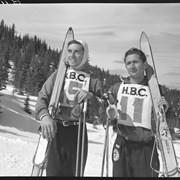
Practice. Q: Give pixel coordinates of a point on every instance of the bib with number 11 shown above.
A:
(134, 105)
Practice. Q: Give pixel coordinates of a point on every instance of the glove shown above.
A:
(112, 112)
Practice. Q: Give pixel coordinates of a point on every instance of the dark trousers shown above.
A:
(132, 159)
(63, 148)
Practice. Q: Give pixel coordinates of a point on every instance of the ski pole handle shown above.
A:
(85, 106)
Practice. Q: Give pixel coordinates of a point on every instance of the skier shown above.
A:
(135, 125)
(62, 131)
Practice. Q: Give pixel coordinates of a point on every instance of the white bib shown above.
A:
(134, 105)
(74, 80)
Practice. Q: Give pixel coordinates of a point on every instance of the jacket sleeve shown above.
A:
(112, 93)
(96, 87)
(44, 97)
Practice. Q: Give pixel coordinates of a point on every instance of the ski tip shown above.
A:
(70, 29)
(143, 38)
(143, 34)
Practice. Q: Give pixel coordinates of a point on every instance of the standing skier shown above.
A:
(133, 147)
(62, 131)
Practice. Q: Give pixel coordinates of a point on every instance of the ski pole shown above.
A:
(83, 134)
(82, 142)
(105, 151)
(78, 144)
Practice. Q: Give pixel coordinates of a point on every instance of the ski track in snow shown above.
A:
(17, 150)
(17, 112)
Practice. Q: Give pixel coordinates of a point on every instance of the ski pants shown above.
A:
(62, 153)
(132, 159)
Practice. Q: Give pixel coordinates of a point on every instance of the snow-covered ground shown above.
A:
(18, 139)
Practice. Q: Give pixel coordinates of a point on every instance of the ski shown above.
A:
(41, 154)
(163, 136)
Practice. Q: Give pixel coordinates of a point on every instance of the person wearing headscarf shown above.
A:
(62, 130)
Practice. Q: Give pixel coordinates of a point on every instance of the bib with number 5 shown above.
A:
(74, 80)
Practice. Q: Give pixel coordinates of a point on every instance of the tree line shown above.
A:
(30, 61)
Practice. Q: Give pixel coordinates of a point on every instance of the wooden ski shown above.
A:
(41, 154)
(163, 136)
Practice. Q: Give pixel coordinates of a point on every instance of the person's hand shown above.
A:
(164, 103)
(48, 127)
(112, 112)
(82, 95)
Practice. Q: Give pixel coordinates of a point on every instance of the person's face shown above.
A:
(135, 66)
(75, 55)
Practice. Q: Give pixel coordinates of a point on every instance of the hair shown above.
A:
(135, 51)
(75, 42)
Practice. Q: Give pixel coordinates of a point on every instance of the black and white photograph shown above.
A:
(89, 89)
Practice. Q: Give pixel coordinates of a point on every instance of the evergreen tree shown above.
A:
(26, 105)
(34, 61)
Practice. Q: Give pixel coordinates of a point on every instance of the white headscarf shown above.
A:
(85, 57)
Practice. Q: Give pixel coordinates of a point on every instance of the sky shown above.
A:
(110, 29)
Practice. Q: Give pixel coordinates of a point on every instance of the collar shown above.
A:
(126, 80)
